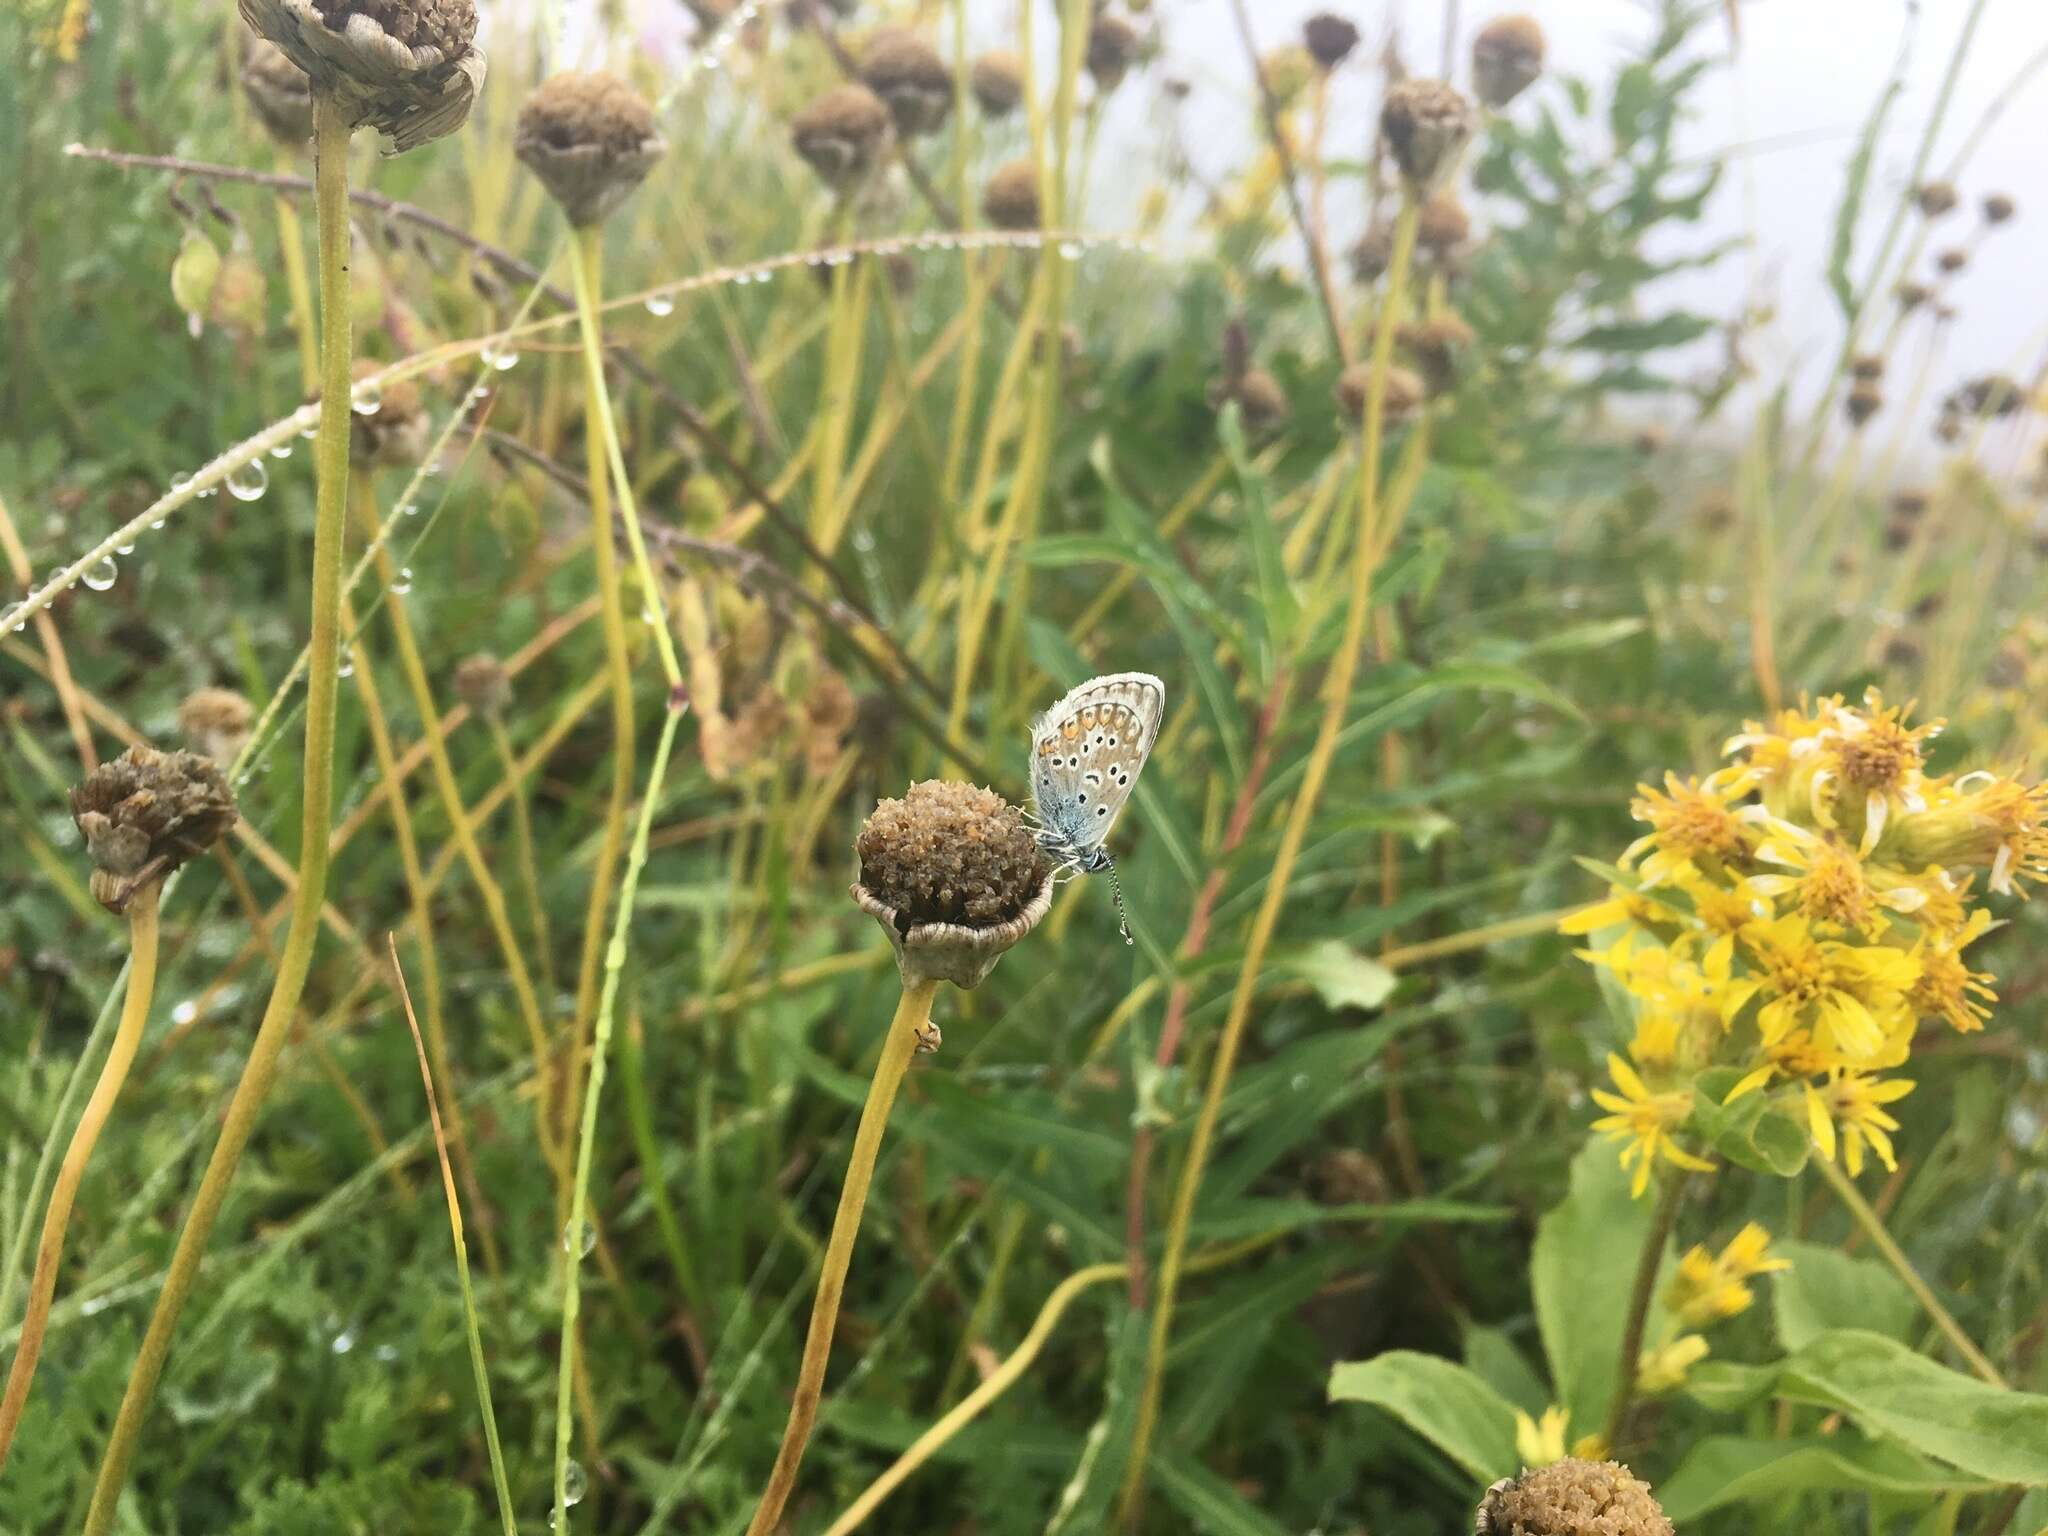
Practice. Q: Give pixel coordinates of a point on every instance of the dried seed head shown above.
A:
(1439, 347)
(1869, 367)
(482, 683)
(1572, 1498)
(280, 92)
(1864, 402)
(1112, 48)
(1402, 402)
(1934, 198)
(1948, 426)
(408, 68)
(215, 721)
(1898, 535)
(1427, 125)
(1998, 207)
(1330, 38)
(1994, 394)
(144, 814)
(1011, 197)
(1715, 511)
(1651, 440)
(1909, 503)
(1373, 254)
(1953, 260)
(1259, 397)
(396, 431)
(906, 72)
(841, 135)
(1442, 223)
(1507, 56)
(954, 876)
(1913, 295)
(590, 139)
(997, 80)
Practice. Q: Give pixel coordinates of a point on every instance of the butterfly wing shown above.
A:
(1086, 754)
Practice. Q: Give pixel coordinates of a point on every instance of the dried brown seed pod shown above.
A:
(482, 683)
(1869, 367)
(1998, 207)
(280, 92)
(1329, 38)
(1401, 402)
(1439, 347)
(904, 70)
(1953, 260)
(1864, 402)
(1912, 295)
(1112, 48)
(1572, 1498)
(407, 68)
(1373, 254)
(590, 139)
(841, 135)
(955, 878)
(1011, 198)
(1909, 503)
(1259, 397)
(1992, 394)
(1427, 125)
(1934, 198)
(1442, 223)
(997, 80)
(146, 813)
(1898, 535)
(215, 722)
(1507, 57)
(1651, 440)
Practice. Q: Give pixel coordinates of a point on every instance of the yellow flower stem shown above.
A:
(296, 283)
(142, 947)
(1647, 1265)
(1874, 1228)
(1367, 550)
(913, 1013)
(331, 127)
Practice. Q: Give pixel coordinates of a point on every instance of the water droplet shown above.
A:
(659, 304)
(93, 1306)
(102, 576)
(344, 1341)
(185, 1012)
(347, 667)
(387, 1354)
(248, 481)
(281, 450)
(211, 490)
(153, 527)
(12, 619)
(574, 1483)
(180, 481)
(502, 358)
(479, 395)
(1071, 249)
(309, 432)
(124, 549)
(408, 509)
(581, 1243)
(367, 400)
(402, 582)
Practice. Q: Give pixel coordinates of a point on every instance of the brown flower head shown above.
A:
(1912, 295)
(1373, 254)
(396, 431)
(280, 91)
(1259, 398)
(841, 135)
(144, 814)
(216, 723)
(1572, 1498)
(954, 877)
(1998, 207)
(1864, 402)
(1934, 198)
(482, 683)
(1952, 260)
(1507, 56)
(1427, 125)
(1909, 503)
(906, 72)
(1442, 223)
(1329, 37)
(1403, 401)
(997, 80)
(1994, 394)
(1011, 198)
(1439, 346)
(1868, 368)
(590, 139)
(408, 68)
(1112, 48)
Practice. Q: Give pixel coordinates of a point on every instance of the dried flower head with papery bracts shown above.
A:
(997, 80)
(906, 71)
(1788, 925)
(280, 92)
(1507, 58)
(841, 135)
(216, 723)
(590, 139)
(1426, 125)
(1011, 198)
(408, 68)
(146, 813)
(1572, 1498)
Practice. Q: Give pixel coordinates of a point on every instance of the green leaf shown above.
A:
(1672, 330)
(1582, 1270)
(1890, 1390)
(1444, 1403)
(1279, 608)
(1729, 1469)
(1724, 1386)
(1500, 1363)
(1208, 1502)
(1342, 977)
(1854, 183)
(1750, 1132)
(1826, 1288)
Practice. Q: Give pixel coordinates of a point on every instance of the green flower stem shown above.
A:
(913, 1013)
(1874, 1228)
(529, 862)
(1647, 1265)
(330, 456)
(142, 935)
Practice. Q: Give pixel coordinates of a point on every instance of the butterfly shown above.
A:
(1086, 753)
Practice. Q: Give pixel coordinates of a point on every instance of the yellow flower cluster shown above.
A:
(1799, 915)
(1709, 1288)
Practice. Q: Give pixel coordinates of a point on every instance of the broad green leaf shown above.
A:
(1209, 1503)
(1672, 330)
(1341, 976)
(1727, 1387)
(1498, 1361)
(1444, 1403)
(1890, 1390)
(1582, 1270)
(1729, 1469)
(1826, 1288)
(1279, 608)
(1854, 184)
(1750, 1132)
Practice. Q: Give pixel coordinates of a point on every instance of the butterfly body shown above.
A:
(1086, 754)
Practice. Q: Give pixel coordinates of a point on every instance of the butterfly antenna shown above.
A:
(1116, 889)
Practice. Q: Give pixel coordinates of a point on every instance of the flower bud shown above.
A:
(1401, 402)
(1011, 197)
(482, 683)
(408, 68)
(1329, 38)
(997, 80)
(216, 723)
(1427, 125)
(280, 92)
(1112, 48)
(590, 139)
(1507, 56)
(907, 73)
(841, 135)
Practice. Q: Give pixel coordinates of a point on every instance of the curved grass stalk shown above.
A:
(142, 938)
(1368, 550)
(330, 139)
(529, 863)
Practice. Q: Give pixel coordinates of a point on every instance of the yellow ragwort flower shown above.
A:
(1855, 1102)
(1854, 996)
(1709, 1287)
(1539, 1442)
(1871, 767)
(1947, 987)
(1830, 882)
(1643, 1121)
(1984, 821)
(1665, 1369)
(1690, 819)
(1793, 1056)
